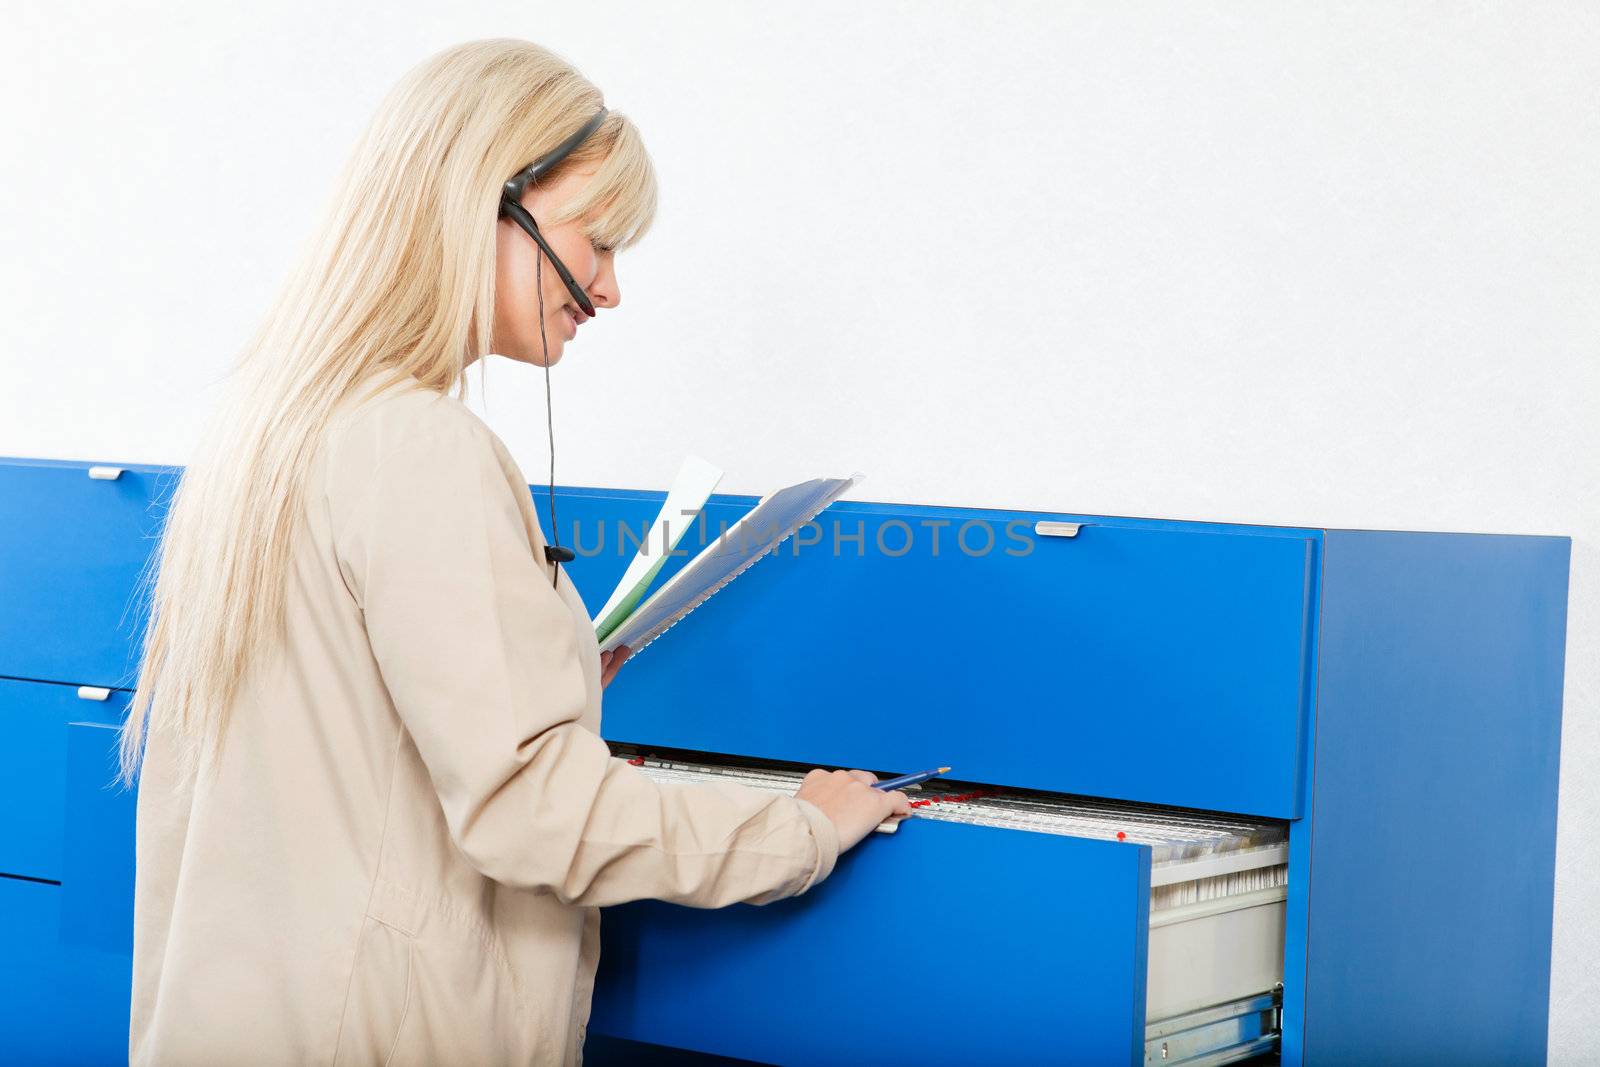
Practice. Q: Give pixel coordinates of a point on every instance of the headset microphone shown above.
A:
(511, 207)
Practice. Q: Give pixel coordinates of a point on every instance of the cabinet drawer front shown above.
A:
(58, 1004)
(71, 550)
(1158, 665)
(97, 875)
(33, 770)
(32, 1015)
(945, 942)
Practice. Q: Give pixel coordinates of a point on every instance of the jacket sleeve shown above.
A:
(481, 659)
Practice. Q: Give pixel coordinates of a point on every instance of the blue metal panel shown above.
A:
(67, 949)
(1433, 810)
(945, 943)
(59, 1005)
(95, 996)
(1297, 909)
(32, 1015)
(1296, 919)
(97, 867)
(1129, 661)
(71, 550)
(33, 770)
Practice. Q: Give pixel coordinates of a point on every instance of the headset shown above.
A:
(511, 207)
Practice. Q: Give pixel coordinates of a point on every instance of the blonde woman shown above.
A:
(376, 818)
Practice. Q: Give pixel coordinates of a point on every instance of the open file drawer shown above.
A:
(959, 942)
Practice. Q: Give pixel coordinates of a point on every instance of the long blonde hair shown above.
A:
(398, 281)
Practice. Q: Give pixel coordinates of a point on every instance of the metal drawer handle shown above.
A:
(1056, 529)
(93, 692)
(107, 474)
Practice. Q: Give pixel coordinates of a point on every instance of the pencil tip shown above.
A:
(944, 770)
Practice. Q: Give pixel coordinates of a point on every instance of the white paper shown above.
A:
(693, 486)
(771, 521)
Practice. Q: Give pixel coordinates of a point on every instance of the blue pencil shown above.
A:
(910, 779)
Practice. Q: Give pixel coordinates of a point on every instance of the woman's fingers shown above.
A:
(865, 776)
(611, 662)
(901, 802)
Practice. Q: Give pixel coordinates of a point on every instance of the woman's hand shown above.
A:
(849, 801)
(611, 662)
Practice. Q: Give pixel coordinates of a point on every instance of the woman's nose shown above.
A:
(605, 292)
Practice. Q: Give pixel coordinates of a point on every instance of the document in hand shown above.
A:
(625, 620)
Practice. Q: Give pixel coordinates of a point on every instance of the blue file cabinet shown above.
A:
(1393, 698)
(74, 540)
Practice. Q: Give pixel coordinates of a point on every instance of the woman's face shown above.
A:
(516, 301)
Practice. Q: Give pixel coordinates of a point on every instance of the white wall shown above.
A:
(1327, 266)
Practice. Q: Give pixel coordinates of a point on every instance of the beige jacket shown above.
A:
(414, 820)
